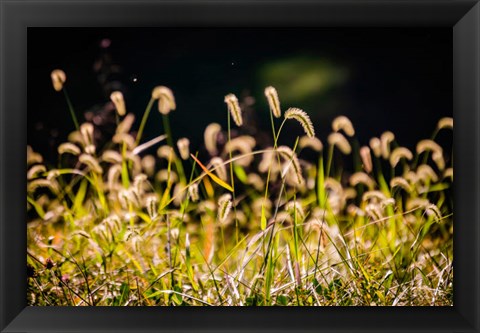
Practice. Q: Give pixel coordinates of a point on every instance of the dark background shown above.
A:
(397, 79)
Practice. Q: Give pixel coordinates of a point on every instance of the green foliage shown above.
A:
(131, 233)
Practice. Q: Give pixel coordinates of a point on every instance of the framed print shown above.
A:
(239, 166)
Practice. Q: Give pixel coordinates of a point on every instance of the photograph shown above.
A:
(240, 166)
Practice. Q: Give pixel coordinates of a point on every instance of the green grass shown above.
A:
(116, 231)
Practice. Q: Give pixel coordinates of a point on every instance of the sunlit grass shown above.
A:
(240, 222)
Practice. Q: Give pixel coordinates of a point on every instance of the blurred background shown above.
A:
(393, 79)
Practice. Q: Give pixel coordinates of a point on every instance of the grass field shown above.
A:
(240, 222)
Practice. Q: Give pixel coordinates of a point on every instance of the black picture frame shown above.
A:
(17, 15)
